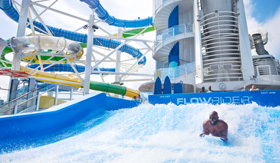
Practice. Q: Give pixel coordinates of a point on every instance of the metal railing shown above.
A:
(175, 72)
(171, 32)
(16, 105)
(24, 102)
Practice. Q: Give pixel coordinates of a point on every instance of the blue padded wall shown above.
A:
(113, 103)
(44, 127)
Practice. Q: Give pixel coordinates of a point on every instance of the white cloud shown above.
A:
(271, 26)
(132, 9)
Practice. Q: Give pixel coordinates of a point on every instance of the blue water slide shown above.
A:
(7, 7)
(67, 68)
(111, 20)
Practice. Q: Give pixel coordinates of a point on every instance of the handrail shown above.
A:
(172, 32)
(18, 98)
(27, 100)
(47, 90)
(38, 95)
(15, 99)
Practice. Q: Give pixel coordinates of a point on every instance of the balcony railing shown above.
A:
(171, 32)
(175, 72)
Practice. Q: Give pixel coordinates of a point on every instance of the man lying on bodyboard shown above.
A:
(215, 127)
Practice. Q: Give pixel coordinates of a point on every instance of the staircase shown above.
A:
(163, 8)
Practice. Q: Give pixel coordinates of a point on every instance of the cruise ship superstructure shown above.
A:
(202, 43)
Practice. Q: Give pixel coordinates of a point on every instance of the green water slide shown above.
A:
(136, 31)
(5, 51)
(99, 86)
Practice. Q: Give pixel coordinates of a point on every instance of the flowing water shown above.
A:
(166, 133)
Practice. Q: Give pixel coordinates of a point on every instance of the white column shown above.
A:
(245, 47)
(21, 30)
(118, 59)
(89, 53)
(198, 55)
(23, 18)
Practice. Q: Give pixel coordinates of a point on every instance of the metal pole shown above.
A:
(89, 53)
(21, 30)
(23, 18)
(71, 94)
(118, 60)
(56, 94)
(38, 102)
(15, 108)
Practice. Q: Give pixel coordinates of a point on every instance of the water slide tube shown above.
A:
(7, 7)
(26, 44)
(3, 59)
(133, 32)
(74, 81)
(6, 49)
(70, 80)
(111, 20)
(67, 68)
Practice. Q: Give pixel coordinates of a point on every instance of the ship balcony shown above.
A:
(166, 39)
(176, 74)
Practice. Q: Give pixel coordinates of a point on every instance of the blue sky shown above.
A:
(262, 16)
(265, 9)
(262, 10)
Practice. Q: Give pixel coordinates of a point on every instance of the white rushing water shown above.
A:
(166, 133)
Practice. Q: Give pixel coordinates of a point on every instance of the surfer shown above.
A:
(215, 127)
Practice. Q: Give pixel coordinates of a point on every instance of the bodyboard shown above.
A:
(167, 86)
(214, 139)
(178, 88)
(157, 87)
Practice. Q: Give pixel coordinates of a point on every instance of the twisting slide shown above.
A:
(56, 44)
(7, 7)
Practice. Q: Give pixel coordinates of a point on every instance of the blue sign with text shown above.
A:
(263, 98)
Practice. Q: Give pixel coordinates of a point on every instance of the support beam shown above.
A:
(23, 18)
(56, 94)
(89, 53)
(118, 60)
(21, 31)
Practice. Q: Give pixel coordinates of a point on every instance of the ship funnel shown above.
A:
(259, 45)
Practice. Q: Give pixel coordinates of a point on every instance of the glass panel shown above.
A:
(175, 72)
